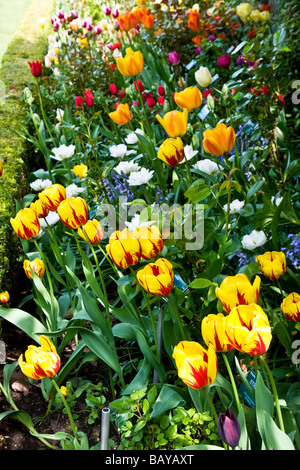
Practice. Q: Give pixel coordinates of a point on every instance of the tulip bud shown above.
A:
(190, 98)
(174, 58)
(124, 249)
(91, 230)
(39, 208)
(229, 428)
(89, 98)
(174, 122)
(4, 297)
(203, 77)
(122, 115)
(81, 171)
(26, 224)
(157, 278)
(52, 196)
(150, 240)
(73, 212)
(36, 68)
(171, 151)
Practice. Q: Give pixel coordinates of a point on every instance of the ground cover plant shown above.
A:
(160, 234)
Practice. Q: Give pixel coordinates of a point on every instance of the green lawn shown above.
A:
(11, 13)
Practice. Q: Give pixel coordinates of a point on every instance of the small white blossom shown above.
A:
(254, 240)
(73, 190)
(51, 219)
(234, 207)
(132, 138)
(120, 151)
(207, 166)
(127, 167)
(276, 200)
(63, 151)
(189, 153)
(59, 115)
(143, 176)
(136, 223)
(40, 185)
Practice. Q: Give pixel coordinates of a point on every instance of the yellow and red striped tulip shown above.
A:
(124, 248)
(272, 264)
(39, 208)
(4, 297)
(291, 306)
(132, 64)
(219, 140)
(197, 367)
(171, 151)
(40, 362)
(92, 231)
(150, 240)
(73, 212)
(248, 329)
(122, 115)
(157, 278)
(238, 290)
(36, 265)
(213, 332)
(174, 122)
(26, 224)
(190, 98)
(51, 197)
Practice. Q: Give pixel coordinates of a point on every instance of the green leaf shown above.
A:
(201, 283)
(166, 400)
(23, 320)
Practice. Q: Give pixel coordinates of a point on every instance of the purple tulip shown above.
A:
(174, 58)
(224, 61)
(74, 14)
(212, 38)
(229, 428)
(240, 60)
(198, 50)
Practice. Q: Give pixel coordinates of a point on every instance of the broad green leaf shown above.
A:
(23, 320)
(166, 400)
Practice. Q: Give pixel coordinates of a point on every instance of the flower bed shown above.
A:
(160, 234)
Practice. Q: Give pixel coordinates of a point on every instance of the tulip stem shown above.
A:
(153, 323)
(274, 389)
(232, 381)
(175, 310)
(210, 404)
(66, 405)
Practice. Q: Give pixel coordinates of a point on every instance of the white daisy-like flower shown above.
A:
(254, 240)
(136, 223)
(51, 219)
(40, 185)
(73, 190)
(132, 138)
(207, 166)
(63, 152)
(127, 167)
(143, 176)
(234, 207)
(120, 151)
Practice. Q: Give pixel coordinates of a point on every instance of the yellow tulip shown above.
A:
(80, 170)
(92, 230)
(124, 248)
(51, 197)
(4, 297)
(238, 290)
(190, 98)
(248, 329)
(264, 16)
(132, 64)
(157, 278)
(122, 115)
(171, 151)
(73, 212)
(255, 16)
(291, 307)
(213, 332)
(197, 367)
(26, 224)
(64, 390)
(150, 240)
(244, 11)
(272, 264)
(36, 265)
(174, 123)
(40, 362)
(219, 140)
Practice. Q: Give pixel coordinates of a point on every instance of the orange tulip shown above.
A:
(190, 98)
(51, 197)
(219, 140)
(122, 115)
(123, 21)
(26, 224)
(194, 21)
(148, 21)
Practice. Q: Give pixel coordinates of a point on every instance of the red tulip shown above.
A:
(161, 90)
(139, 84)
(113, 89)
(78, 101)
(36, 68)
(89, 98)
(224, 61)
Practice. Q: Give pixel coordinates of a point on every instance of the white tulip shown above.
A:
(203, 77)
(254, 240)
